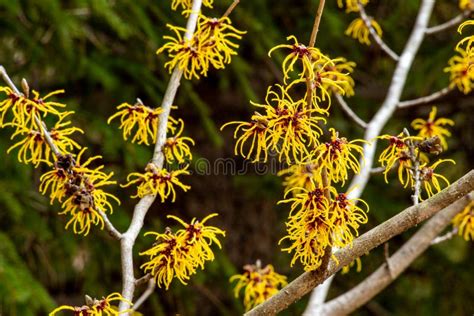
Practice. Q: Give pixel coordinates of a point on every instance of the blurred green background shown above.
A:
(103, 53)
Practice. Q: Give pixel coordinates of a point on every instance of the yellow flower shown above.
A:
(187, 4)
(433, 127)
(346, 216)
(469, 39)
(335, 76)
(95, 307)
(356, 262)
(258, 284)
(466, 4)
(464, 222)
(431, 180)
(219, 34)
(305, 54)
(199, 237)
(351, 5)
(358, 30)
(33, 147)
(179, 255)
(157, 182)
(177, 147)
(143, 118)
(257, 132)
(300, 176)
(461, 69)
(397, 152)
(338, 156)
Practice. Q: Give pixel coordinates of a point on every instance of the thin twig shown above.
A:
(394, 226)
(145, 295)
(230, 8)
(448, 24)
(377, 170)
(347, 109)
(317, 21)
(449, 235)
(386, 254)
(374, 34)
(426, 99)
(415, 169)
(110, 227)
(143, 279)
(142, 207)
(400, 261)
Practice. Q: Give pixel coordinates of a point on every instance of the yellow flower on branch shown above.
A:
(95, 307)
(32, 148)
(431, 180)
(187, 4)
(338, 156)
(466, 4)
(469, 39)
(464, 222)
(179, 255)
(157, 182)
(176, 148)
(351, 5)
(258, 284)
(357, 262)
(433, 127)
(461, 69)
(335, 76)
(306, 55)
(143, 119)
(359, 31)
(300, 176)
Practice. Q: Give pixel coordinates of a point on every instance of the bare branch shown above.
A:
(394, 226)
(110, 227)
(399, 262)
(448, 24)
(415, 171)
(347, 109)
(375, 36)
(145, 295)
(425, 100)
(317, 20)
(449, 235)
(142, 207)
(231, 8)
(377, 170)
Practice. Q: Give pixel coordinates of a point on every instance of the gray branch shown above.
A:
(347, 109)
(448, 24)
(426, 99)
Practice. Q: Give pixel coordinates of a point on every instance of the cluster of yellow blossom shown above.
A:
(461, 66)
(95, 307)
(186, 5)
(466, 4)
(258, 284)
(358, 28)
(210, 45)
(289, 124)
(78, 188)
(405, 150)
(70, 182)
(180, 254)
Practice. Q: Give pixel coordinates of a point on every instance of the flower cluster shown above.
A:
(321, 218)
(210, 46)
(461, 66)
(95, 307)
(24, 114)
(79, 188)
(359, 30)
(351, 5)
(411, 153)
(257, 283)
(464, 222)
(177, 147)
(180, 254)
(186, 5)
(157, 181)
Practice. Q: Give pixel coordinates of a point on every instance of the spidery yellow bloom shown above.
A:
(300, 176)
(306, 55)
(144, 119)
(179, 255)
(464, 222)
(351, 5)
(357, 262)
(467, 40)
(461, 69)
(177, 148)
(258, 284)
(430, 179)
(433, 127)
(359, 31)
(335, 76)
(397, 152)
(95, 307)
(157, 182)
(338, 156)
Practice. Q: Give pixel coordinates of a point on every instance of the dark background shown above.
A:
(103, 53)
